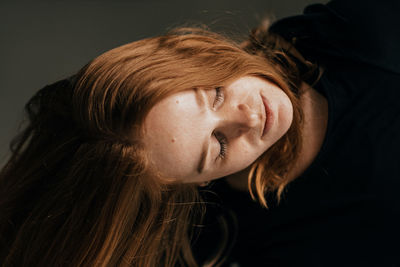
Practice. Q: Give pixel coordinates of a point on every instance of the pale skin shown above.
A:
(315, 108)
(180, 126)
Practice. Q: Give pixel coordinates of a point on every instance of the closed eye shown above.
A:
(223, 142)
(219, 97)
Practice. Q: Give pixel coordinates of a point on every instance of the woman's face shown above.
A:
(199, 135)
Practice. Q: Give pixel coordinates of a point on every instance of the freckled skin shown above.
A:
(240, 117)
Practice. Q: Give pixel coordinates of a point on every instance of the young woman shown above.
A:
(110, 169)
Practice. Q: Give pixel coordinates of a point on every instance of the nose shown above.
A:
(241, 120)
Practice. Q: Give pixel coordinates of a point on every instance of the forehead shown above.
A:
(172, 134)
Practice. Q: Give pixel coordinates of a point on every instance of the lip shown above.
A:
(269, 116)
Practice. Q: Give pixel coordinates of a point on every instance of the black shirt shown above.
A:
(344, 209)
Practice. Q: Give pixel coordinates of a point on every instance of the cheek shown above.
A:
(244, 156)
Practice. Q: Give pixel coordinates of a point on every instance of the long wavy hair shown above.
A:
(269, 172)
(78, 190)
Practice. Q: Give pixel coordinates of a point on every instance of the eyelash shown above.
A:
(223, 144)
(219, 98)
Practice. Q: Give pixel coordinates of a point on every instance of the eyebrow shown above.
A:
(200, 98)
(205, 147)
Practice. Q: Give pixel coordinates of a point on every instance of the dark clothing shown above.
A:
(344, 210)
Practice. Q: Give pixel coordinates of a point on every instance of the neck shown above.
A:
(315, 108)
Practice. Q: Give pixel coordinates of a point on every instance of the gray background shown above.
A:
(45, 41)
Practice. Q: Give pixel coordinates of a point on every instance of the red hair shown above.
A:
(77, 189)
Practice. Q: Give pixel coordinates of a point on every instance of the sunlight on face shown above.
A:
(199, 135)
